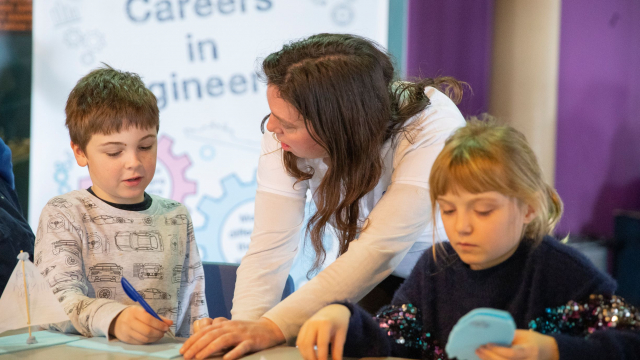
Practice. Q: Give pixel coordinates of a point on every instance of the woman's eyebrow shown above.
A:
(281, 120)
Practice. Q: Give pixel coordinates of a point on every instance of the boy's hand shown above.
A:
(527, 345)
(134, 325)
(329, 325)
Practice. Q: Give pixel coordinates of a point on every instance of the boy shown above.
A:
(87, 240)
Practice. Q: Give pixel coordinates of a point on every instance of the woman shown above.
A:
(340, 127)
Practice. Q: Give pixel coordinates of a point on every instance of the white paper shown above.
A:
(44, 308)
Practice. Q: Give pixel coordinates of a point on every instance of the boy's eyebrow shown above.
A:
(113, 143)
(121, 143)
(148, 136)
(281, 120)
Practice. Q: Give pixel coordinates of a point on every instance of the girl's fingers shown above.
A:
(324, 336)
(307, 342)
(338, 345)
(490, 352)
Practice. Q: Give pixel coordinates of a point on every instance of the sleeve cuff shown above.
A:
(575, 347)
(290, 331)
(104, 317)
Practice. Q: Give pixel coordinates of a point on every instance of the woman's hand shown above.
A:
(329, 325)
(134, 325)
(240, 337)
(202, 323)
(527, 345)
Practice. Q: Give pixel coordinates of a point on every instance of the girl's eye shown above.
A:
(484, 213)
(145, 148)
(113, 154)
(448, 212)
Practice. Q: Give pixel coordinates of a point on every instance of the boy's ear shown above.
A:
(81, 158)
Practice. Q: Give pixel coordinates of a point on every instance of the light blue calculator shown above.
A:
(480, 327)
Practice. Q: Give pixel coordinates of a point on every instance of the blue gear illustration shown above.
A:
(216, 212)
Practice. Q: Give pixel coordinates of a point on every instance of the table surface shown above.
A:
(69, 352)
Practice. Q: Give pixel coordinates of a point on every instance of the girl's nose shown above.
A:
(463, 223)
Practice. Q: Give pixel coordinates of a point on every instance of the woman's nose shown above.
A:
(272, 126)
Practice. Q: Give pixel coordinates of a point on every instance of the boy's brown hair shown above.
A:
(106, 101)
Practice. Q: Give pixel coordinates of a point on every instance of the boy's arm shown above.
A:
(192, 296)
(59, 257)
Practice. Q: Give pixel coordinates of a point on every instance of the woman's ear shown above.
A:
(79, 154)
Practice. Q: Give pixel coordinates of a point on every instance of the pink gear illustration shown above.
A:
(177, 166)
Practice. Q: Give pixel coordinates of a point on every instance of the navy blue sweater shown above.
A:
(531, 280)
(15, 233)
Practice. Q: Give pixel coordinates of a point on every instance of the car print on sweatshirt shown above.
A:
(152, 293)
(70, 246)
(105, 272)
(139, 241)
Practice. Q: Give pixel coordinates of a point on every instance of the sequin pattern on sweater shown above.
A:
(583, 318)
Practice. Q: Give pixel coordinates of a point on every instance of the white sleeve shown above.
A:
(278, 218)
(394, 224)
(274, 243)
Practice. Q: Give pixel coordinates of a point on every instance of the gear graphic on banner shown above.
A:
(169, 180)
(225, 235)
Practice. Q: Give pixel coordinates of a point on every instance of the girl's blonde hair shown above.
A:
(484, 156)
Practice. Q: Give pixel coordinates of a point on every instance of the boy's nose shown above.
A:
(132, 161)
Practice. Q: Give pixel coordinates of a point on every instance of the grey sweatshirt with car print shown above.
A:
(84, 247)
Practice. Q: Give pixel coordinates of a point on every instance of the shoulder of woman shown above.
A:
(440, 116)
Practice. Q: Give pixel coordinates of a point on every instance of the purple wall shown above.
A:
(598, 146)
(452, 38)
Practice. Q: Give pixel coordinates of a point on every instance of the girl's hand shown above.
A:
(527, 345)
(134, 325)
(235, 336)
(329, 325)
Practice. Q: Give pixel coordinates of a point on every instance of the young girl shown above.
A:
(497, 212)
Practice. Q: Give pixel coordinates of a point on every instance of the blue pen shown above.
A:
(133, 294)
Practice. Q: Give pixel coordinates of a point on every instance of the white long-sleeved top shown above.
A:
(398, 211)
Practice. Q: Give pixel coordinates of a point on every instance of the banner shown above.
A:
(200, 58)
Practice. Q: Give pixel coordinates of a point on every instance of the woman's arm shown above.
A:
(393, 226)
(278, 218)
(274, 243)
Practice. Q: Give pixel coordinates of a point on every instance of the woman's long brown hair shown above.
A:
(343, 86)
